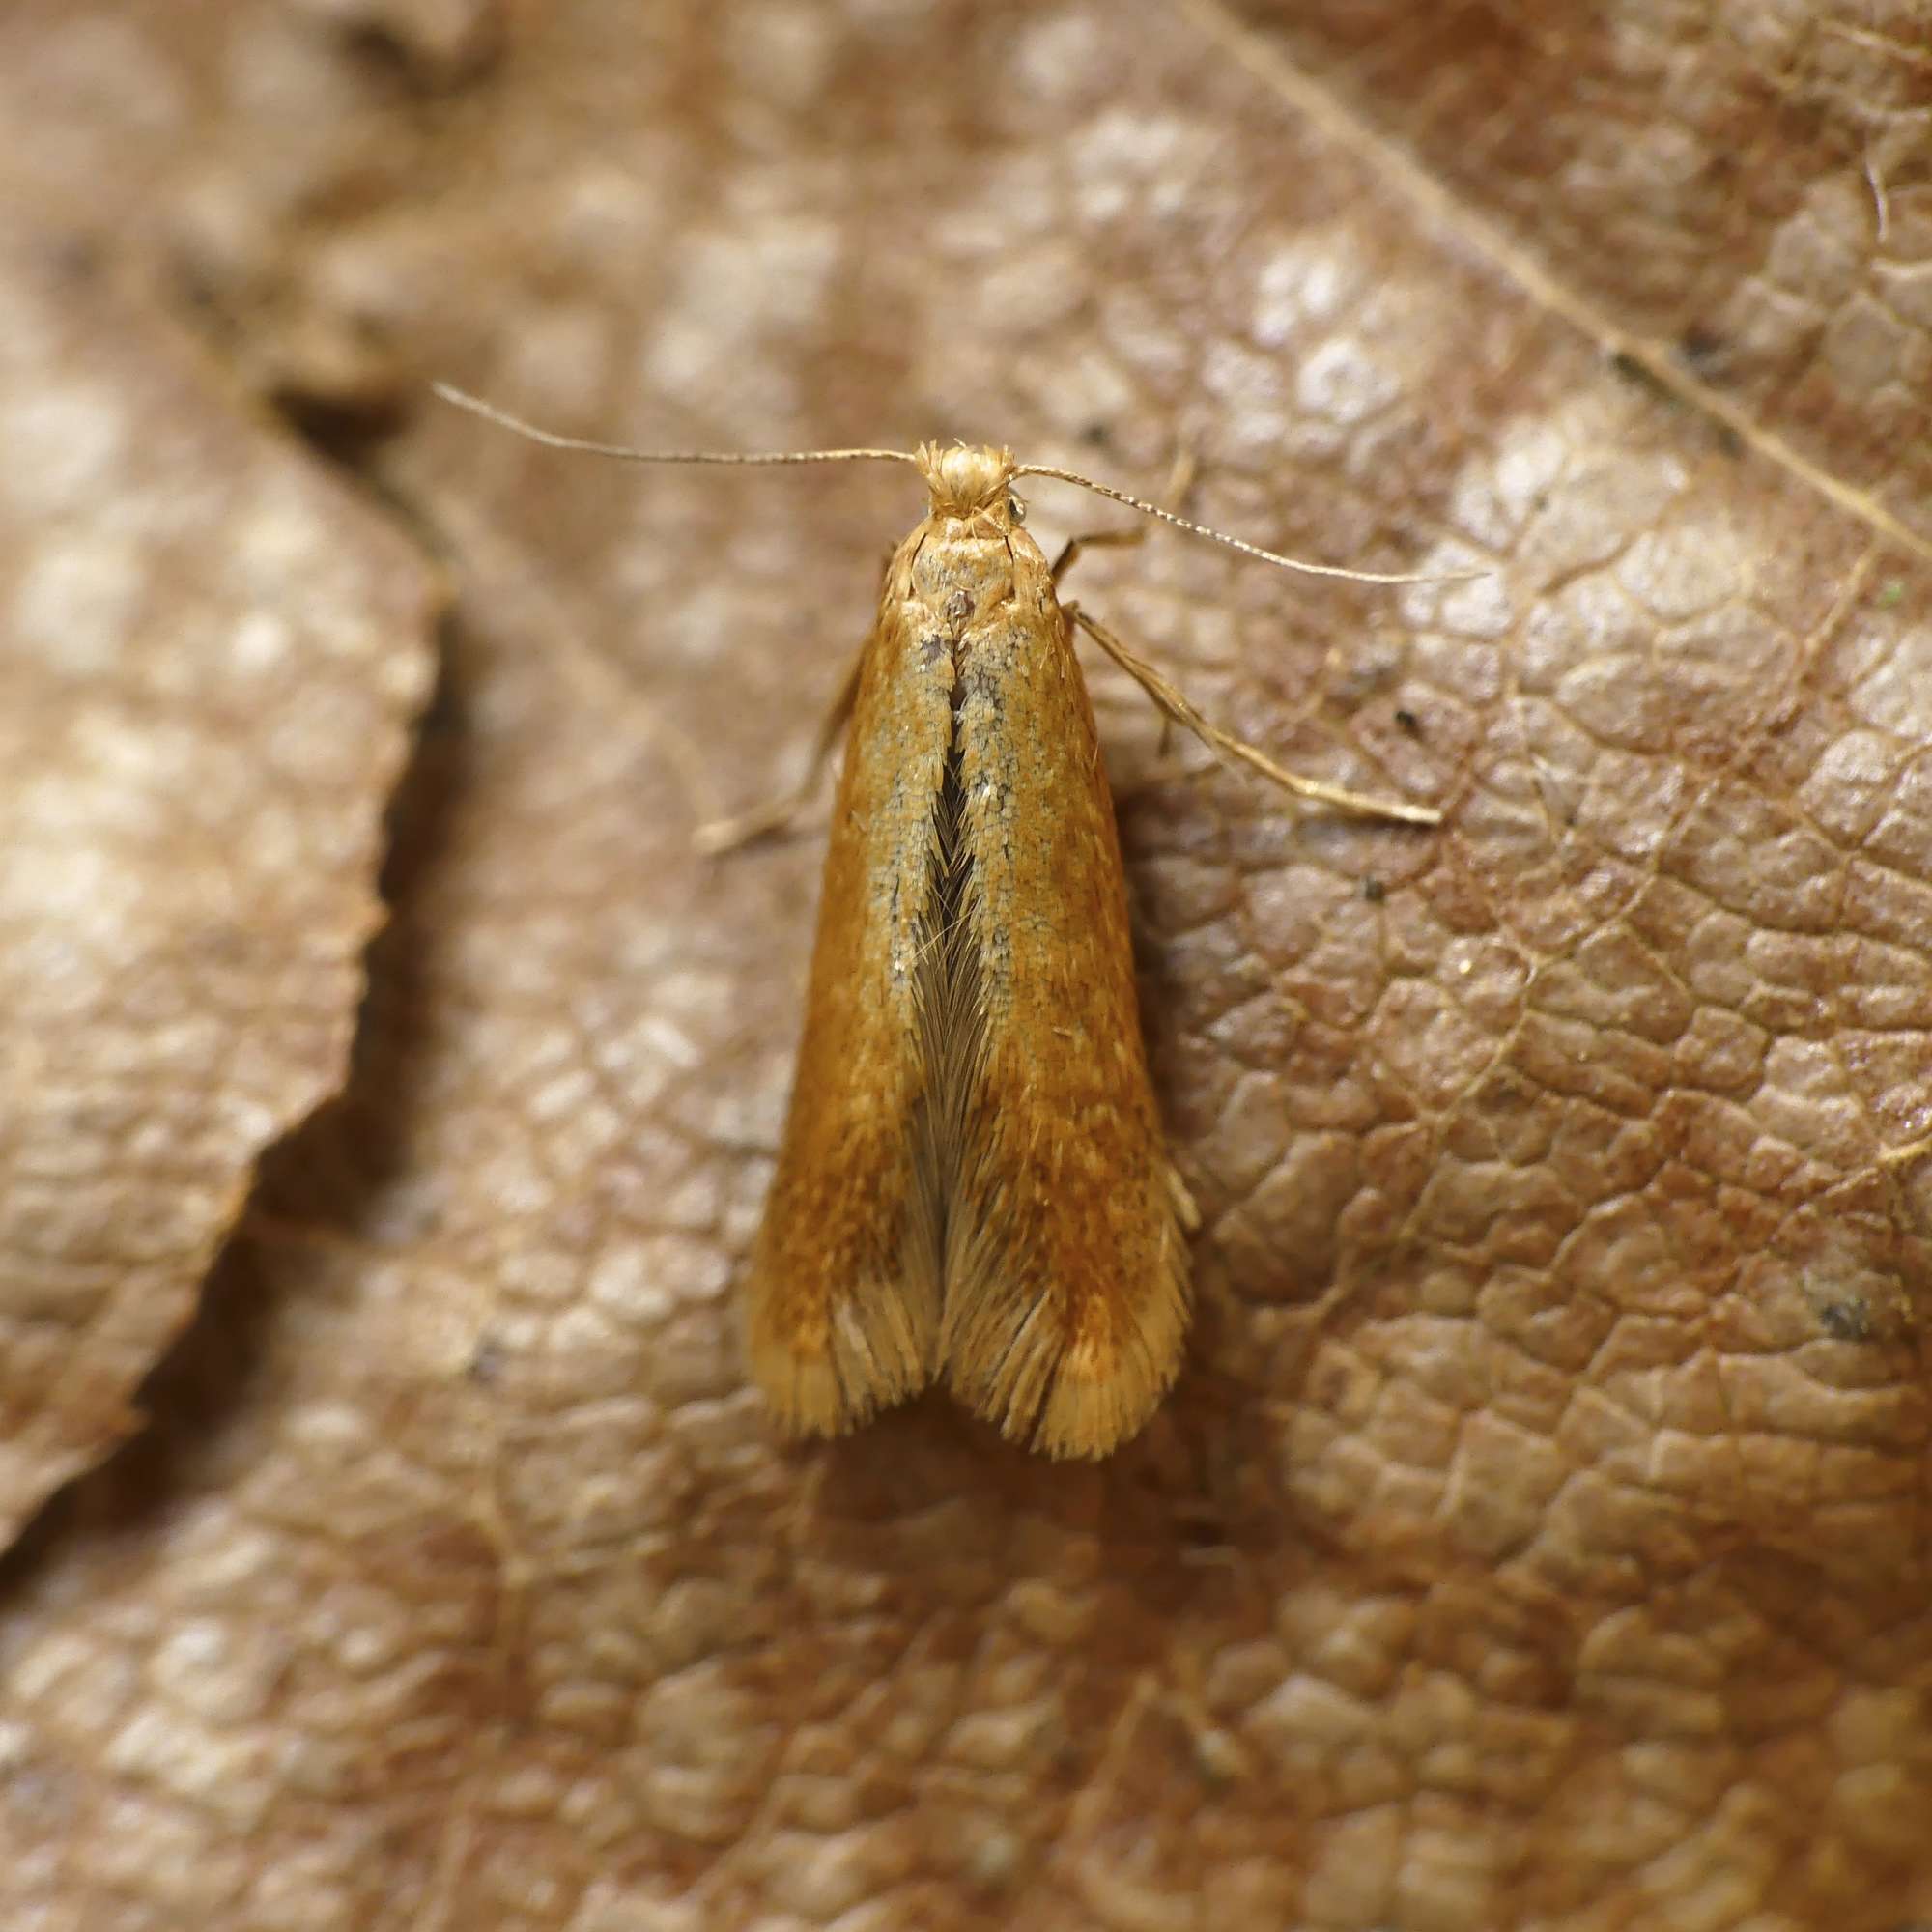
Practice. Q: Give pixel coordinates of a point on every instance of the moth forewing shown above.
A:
(840, 1299)
(1066, 1271)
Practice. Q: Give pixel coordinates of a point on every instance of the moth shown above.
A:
(973, 1188)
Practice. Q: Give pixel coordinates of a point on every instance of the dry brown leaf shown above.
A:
(1538, 1535)
(211, 657)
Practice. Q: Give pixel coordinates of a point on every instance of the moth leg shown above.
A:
(726, 834)
(1173, 704)
(1174, 492)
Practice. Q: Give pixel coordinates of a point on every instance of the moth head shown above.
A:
(970, 480)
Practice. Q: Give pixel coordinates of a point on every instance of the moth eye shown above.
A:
(1018, 508)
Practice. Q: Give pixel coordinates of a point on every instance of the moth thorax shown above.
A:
(967, 480)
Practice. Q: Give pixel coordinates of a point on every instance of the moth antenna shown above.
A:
(625, 453)
(1247, 549)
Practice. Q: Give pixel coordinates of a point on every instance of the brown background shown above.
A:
(1537, 1536)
